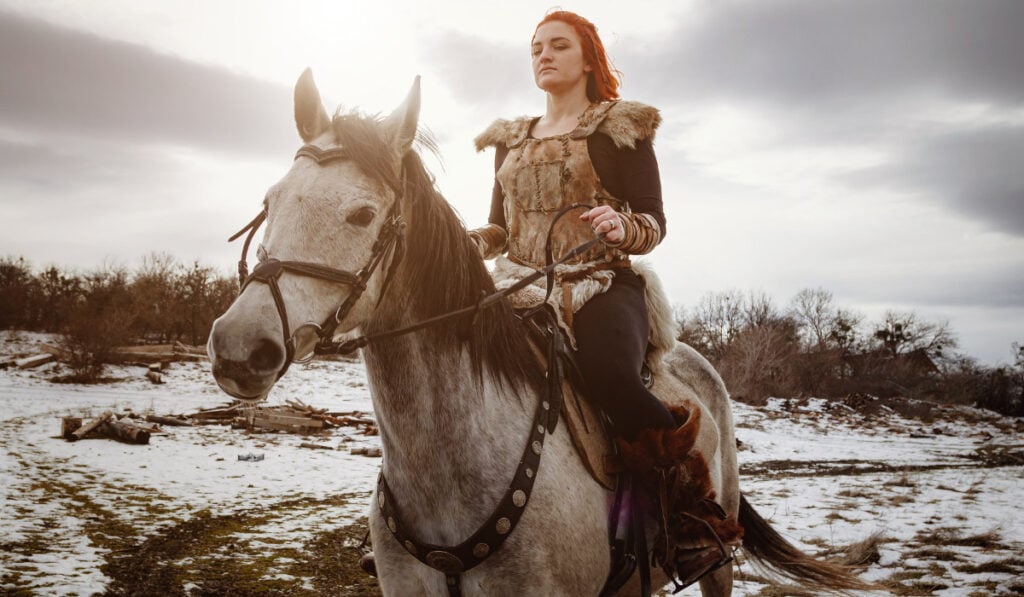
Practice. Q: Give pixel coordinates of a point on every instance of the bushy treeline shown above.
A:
(161, 301)
(813, 347)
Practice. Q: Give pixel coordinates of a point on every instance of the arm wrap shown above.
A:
(642, 233)
(490, 240)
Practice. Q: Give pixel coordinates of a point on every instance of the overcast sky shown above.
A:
(872, 148)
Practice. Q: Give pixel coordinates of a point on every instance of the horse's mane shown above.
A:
(442, 269)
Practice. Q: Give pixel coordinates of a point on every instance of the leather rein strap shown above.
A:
(269, 269)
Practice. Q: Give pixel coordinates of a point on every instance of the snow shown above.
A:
(824, 475)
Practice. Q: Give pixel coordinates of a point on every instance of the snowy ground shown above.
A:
(183, 516)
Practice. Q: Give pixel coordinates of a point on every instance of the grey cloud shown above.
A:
(976, 172)
(52, 169)
(480, 72)
(58, 80)
(816, 53)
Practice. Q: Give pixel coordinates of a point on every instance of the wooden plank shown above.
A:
(90, 426)
(274, 422)
(169, 421)
(35, 360)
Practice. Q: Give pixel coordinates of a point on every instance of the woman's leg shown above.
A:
(611, 337)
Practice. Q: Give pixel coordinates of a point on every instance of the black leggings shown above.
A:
(611, 339)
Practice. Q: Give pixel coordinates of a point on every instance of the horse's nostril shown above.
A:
(268, 356)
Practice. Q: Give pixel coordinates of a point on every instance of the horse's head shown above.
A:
(331, 231)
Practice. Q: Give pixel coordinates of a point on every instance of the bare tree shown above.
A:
(759, 309)
(716, 321)
(904, 332)
(815, 313)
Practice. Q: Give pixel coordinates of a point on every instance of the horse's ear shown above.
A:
(310, 116)
(401, 124)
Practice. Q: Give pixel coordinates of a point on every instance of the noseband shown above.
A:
(388, 242)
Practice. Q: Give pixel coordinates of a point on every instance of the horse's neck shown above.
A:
(451, 439)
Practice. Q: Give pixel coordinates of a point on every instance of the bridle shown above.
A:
(388, 243)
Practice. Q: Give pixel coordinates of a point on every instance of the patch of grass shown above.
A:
(935, 553)
(900, 499)
(856, 493)
(998, 456)
(332, 562)
(903, 480)
(952, 536)
(863, 552)
(1001, 566)
(834, 516)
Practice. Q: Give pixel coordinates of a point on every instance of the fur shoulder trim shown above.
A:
(627, 122)
(509, 133)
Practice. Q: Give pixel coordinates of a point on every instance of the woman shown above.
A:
(590, 149)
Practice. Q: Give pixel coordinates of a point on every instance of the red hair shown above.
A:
(603, 79)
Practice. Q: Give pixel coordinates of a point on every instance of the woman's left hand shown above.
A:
(605, 222)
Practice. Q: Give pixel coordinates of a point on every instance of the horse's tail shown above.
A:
(765, 545)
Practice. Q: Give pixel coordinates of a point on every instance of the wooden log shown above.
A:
(6, 362)
(155, 377)
(224, 412)
(69, 425)
(168, 421)
(279, 422)
(90, 426)
(124, 432)
(123, 356)
(371, 452)
(35, 360)
(312, 446)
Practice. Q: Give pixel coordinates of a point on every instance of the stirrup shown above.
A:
(700, 561)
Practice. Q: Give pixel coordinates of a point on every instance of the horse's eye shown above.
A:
(362, 217)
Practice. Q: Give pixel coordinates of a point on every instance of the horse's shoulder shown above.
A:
(504, 132)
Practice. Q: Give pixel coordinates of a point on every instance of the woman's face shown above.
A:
(558, 63)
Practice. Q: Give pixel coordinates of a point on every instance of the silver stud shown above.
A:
(540, 429)
(529, 473)
(546, 405)
(481, 550)
(410, 547)
(519, 498)
(392, 525)
(380, 499)
(536, 447)
(504, 526)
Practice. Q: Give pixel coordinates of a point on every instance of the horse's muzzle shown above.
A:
(245, 362)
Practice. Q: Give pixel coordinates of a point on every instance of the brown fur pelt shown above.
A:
(624, 122)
